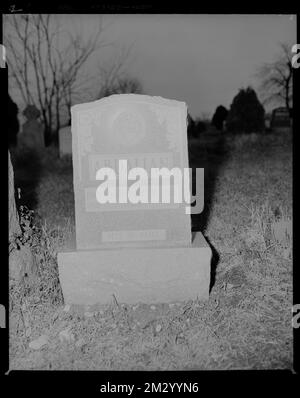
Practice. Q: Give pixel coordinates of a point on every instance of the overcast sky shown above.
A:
(200, 59)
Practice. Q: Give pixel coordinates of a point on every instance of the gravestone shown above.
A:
(280, 119)
(138, 252)
(65, 141)
(32, 135)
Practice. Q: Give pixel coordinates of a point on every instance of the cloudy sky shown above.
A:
(200, 59)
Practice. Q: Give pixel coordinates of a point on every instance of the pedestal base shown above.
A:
(132, 275)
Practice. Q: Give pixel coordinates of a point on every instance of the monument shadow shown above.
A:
(208, 152)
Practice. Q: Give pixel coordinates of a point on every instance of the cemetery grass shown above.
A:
(245, 324)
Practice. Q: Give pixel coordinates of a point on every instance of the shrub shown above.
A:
(246, 114)
(200, 126)
(219, 117)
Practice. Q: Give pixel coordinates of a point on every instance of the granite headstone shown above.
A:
(139, 252)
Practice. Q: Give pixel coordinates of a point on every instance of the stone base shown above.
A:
(133, 275)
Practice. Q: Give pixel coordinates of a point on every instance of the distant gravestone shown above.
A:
(135, 251)
(280, 119)
(65, 141)
(32, 135)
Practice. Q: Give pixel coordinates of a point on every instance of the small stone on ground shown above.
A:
(66, 335)
(67, 308)
(39, 342)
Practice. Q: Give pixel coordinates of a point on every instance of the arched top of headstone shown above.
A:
(31, 112)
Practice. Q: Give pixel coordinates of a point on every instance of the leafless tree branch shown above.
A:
(276, 78)
(46, 73)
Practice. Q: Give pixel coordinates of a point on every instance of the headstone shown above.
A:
(280, 119)
(32, 135)
(135, 251)
(267, 121)
(65, 141)
(146, 133)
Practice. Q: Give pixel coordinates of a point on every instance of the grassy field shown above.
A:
(245, 324)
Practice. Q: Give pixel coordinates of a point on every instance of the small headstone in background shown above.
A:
(32, 135)
(280, 119)
(65, 141)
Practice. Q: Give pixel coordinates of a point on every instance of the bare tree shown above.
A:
(45, 71)
(277, 79)
(122, 85)
(127, 85)
(115, 80)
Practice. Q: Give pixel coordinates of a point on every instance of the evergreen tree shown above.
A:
(246, 114)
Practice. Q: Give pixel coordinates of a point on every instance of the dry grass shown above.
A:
(245, 324)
